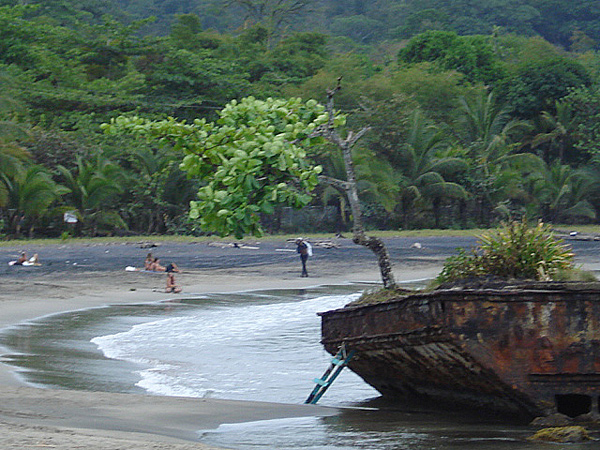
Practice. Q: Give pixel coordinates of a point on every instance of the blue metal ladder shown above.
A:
(339, 361)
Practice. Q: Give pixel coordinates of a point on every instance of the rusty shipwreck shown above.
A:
(527, 349)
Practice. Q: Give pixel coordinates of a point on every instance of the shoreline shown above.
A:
(78, 277)
(32, 416)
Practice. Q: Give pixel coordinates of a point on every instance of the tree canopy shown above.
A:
(252, 159)
(478, 111)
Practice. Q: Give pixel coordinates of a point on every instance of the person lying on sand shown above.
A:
(172, 267)
(23, 261)
(156, 267)
(33, 261)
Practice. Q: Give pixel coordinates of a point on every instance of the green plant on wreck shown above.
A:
(514, 251)
(381, 296)
(569, 434)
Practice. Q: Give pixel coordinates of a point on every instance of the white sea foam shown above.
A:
(267, 352)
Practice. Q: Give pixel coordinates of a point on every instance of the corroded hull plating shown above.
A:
(529, 350)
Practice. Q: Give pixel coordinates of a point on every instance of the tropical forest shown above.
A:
(197, 117)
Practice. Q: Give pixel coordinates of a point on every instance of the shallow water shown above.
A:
(250, 346)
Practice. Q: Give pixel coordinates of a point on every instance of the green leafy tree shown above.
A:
(473, 56)
(63, 73)
(272, 14)
(559, 20)
(584, 103)
(106, 49)
(298, 57)
(391, 117)
(422, 21)
(436, 92)
(252, 159)
(68, 12)
(359, 28)
(294, 59)
(181, 81)
(361, 83)
(538, 85)
(187, 33)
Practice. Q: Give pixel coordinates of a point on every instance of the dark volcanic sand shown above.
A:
(77, 258)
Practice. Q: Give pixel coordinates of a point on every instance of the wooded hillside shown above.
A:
(479, 110)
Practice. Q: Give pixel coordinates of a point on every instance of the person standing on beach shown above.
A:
(305, 250)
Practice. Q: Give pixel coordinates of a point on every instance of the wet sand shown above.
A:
(75, 276)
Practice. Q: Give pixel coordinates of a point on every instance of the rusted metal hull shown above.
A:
(527, 351)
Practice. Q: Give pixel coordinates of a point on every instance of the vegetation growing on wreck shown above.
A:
(515, 251)
(381, 296)
(561, 434)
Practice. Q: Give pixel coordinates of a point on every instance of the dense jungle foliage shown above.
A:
(480, 110)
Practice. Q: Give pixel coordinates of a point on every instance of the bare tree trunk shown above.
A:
(374, 244)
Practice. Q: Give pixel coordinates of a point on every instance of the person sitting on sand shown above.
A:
(148, 261)
(171, 285)
(21, 260)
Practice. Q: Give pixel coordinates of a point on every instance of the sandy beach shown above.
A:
(75, 276)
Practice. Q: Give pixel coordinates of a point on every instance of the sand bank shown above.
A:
(74, 276)
(50, 418)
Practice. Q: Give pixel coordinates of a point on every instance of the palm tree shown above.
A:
(560, 131)
(92, 187)
(377, 181)
(30, 195)
(489, 133)
(424, 169)
(160, 190)
(12, 159)
(491, 138)
(563, 192)
(333, 166)
(12, 155)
